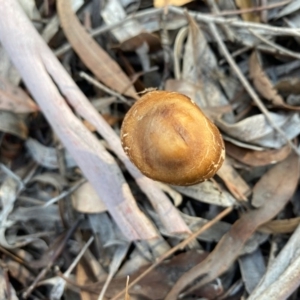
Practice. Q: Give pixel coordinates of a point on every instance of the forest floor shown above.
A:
(78, 220)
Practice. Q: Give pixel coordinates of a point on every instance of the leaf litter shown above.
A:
(77, 218)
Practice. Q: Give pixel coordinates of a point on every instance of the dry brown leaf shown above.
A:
(257, 158)
(162, 3)
(251, 16)
(261, 81)
(144, 37)
(234, 182)
(280, 226)
(14, 99)
(286, 86)
(277, 186)
(266, 88)
(93, 56)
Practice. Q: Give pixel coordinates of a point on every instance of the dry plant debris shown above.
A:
(77, 217)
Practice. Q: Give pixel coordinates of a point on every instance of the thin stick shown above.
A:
(273, 30)
(236, 53)
(216, 11)
(79, 256)
(65, 193)
(178, 247)
(253, 9)
(247, 85)
(102, 87)
(279, 48)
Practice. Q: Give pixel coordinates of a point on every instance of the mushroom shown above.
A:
(169, 139)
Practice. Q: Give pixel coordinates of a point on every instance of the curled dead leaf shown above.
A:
(257, 158)
(261, 81)
(266, 88)
(91, 53)
(234, 182)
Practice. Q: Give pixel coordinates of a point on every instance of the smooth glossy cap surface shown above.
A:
(169, 139)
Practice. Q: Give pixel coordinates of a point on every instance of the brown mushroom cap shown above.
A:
(169, 139)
